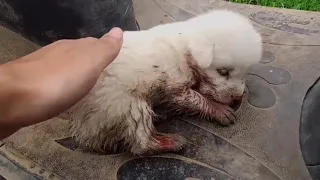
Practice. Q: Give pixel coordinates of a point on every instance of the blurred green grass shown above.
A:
(307, 5)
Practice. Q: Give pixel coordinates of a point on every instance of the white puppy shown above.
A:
(195, 67)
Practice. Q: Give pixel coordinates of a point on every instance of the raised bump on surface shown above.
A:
(271, 74)
(260, 95)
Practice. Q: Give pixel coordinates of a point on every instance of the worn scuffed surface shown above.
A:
(263, 144)
(13, 46)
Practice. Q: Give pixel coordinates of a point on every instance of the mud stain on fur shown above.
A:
(203, 83)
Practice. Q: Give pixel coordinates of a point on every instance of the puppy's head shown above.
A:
(224, 44)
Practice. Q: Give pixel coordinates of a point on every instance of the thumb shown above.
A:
(110, 44)
(115, 33)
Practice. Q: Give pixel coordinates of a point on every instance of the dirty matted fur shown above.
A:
(195, 67)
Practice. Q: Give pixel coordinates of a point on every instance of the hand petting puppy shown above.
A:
(45, 83)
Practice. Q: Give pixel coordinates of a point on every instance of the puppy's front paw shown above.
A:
(225, 115)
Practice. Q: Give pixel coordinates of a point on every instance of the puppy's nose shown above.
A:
(236, 102)
(237, 98)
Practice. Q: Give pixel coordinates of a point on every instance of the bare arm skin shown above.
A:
(45, 83)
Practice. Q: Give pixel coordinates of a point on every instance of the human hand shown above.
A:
(45, 83)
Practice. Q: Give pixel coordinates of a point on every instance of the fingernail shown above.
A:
(116, 33)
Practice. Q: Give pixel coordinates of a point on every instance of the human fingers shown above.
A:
(108, 47)
(115, 33)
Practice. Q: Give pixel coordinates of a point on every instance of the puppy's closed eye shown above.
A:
(225, 71)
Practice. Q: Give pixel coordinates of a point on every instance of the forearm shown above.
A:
(11, 96)
(18, 101)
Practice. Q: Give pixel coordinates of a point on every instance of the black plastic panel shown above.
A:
(310, 130)
(47, 21)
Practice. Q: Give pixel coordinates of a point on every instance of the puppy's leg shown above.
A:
(194, 103)
(146, 140)
(125, 123)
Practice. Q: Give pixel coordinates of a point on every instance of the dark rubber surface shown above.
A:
(48, 21)
(167, 168)
(310, 130)
(314, 171)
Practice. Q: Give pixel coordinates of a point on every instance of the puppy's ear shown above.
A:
(202, 53)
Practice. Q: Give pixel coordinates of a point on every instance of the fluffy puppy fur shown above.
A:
(195, 67)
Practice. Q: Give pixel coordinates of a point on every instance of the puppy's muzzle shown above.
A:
(236, 101)
(237, 98)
